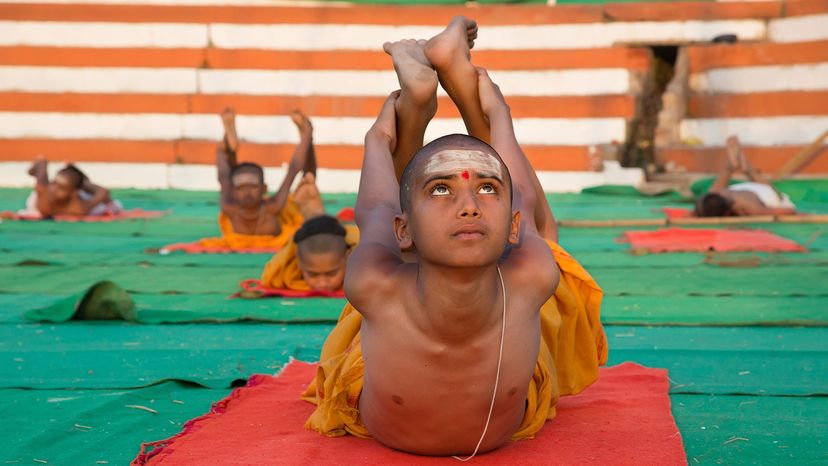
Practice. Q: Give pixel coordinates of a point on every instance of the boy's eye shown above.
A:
(487, 189)
(440, 190)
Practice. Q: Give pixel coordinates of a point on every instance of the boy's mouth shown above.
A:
(469, 232)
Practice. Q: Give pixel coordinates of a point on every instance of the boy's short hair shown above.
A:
(320, 235)
(247, 167)
(76, 176)
(713, 205)
(449, 141)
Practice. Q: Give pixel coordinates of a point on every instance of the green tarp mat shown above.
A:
(757, 360)
(94, 427)
(752, 429)
(615, 310)
(121, 355)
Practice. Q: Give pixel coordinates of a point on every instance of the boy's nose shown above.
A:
(468, 207)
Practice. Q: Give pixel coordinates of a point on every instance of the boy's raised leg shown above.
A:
(449, 53)
(417, 101)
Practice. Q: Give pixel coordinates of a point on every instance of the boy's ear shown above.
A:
(514, 229)
(402, 233)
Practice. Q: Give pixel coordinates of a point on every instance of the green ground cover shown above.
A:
(742, 335)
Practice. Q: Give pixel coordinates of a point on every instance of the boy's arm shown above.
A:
(98, 194)
(504, 142)
(224, 167)
(372, 264)
(532, 259)
(303, 160)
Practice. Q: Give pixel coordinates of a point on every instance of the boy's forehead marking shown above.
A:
(462, 160)
(246, 178)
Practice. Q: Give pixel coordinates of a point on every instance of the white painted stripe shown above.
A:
(293, 82)
(762, 79)
(203, 177)
(373, 83)
(279, 129)
(754, 131)
(799, 29)
(98, 80)
(566, 36)
(104, 35)
(362, 37)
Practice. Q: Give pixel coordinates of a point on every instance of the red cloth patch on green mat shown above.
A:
(703, 240)
(623, 419)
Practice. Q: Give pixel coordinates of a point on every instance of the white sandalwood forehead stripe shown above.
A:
(245, 178)
(453, 160)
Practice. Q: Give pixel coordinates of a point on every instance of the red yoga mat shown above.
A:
(253, 286)
(703, 240)
(624, 418)
(196, 248)
(123, 215)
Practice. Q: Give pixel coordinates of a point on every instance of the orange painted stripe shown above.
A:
(703, 58)
(524, 60)
(678, 11)
(765, 104)
(806, 7)
(556, 158)
(622, 106)
(764, 159)
(393, 15)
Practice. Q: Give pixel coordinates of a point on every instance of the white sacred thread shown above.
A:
(497, 377)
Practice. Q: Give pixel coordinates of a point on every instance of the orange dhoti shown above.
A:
(290, 220)
(573, 345)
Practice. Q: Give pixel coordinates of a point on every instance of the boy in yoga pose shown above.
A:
(316, 257)
(69, 193)
(472, 343)
(755, 197)
(245, 208)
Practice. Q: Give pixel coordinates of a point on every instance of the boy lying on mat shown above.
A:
(245, 207)
(471, 343)
(755, 197)
(69, 193)
(315, 259)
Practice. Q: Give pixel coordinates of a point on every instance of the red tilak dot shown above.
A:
(465, 175)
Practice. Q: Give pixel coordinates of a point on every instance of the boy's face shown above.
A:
(248, 189)
(461, 213)
(323, 271)
(61, 189)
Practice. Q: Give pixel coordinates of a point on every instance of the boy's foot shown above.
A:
(40, 160)
(302, 122)
(454, 43)
(228, 120)
(734, 161)
(308, 198)
(418, 80)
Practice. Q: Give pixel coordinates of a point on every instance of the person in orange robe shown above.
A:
(315, 259)
(249, 218)
(491, 315)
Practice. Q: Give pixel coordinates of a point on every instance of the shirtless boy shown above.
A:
(755, 197)
(451, 355)
(243, 189)
(69, 193)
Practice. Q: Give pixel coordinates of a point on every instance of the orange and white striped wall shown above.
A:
(131, 90)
